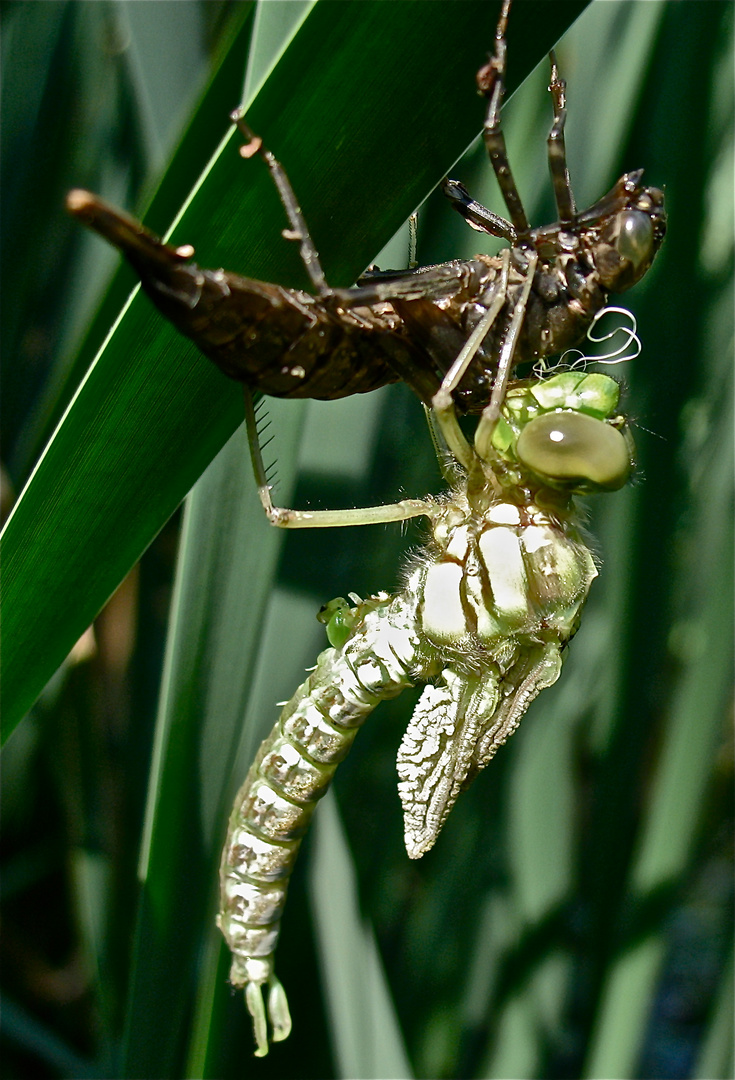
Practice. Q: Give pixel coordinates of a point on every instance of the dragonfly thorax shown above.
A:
(516, 576)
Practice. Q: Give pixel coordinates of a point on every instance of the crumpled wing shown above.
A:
(534, 671)
(436, 752)
(456, 730)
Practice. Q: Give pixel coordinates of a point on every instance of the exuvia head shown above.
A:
(633, 227)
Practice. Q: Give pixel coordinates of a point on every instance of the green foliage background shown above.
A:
(575, 918)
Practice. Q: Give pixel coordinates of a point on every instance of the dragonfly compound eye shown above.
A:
(635, 239)
(575, 452)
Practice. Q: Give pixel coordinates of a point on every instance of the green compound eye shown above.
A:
(575, 451)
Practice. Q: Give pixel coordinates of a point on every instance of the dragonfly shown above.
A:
(410, 325)
(495, 595)
(488, 606)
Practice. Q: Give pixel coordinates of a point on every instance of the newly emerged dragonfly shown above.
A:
(409, 325)
(487, 608)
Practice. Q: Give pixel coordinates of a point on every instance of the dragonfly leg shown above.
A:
(285, 518)
(477, 215)
(491, 82)
(454, 376)
(557, 147)
(443, 401)
(491, 412)
(413, 240)
(298, 229)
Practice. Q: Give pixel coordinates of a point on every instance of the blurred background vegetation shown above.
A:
(575, 917)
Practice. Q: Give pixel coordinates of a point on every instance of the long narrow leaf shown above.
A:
(151, 413)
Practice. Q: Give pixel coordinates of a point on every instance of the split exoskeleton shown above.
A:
(408, 325)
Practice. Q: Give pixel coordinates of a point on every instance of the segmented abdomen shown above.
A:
(292, 772)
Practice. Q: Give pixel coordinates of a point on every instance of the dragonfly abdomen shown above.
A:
(282, 342)
(292, 771)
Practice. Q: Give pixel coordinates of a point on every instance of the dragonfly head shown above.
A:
(565, 433)
(627, 226)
